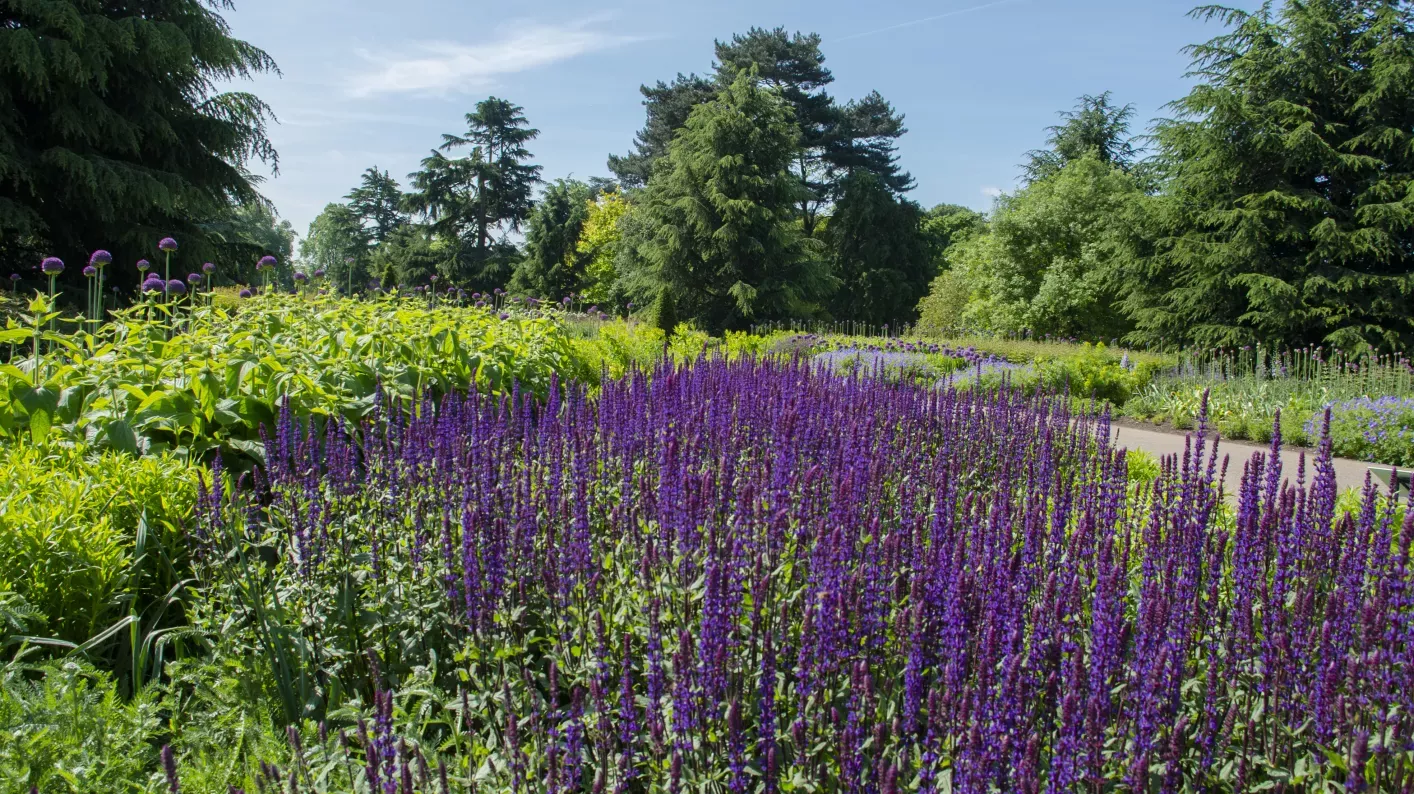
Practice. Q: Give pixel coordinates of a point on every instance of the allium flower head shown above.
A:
(505, 316)
(319, 273)
(100, 258)
(14, 276)
(194, 278)
(246, 293)
(433, 278)
(301, 277)
(143, 265)
(90, 271)
(177, 287)
(167, 244)
(266, 261)
(154, 283)
(52, 266)
(208, 268)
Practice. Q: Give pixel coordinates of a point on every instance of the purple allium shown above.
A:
(245, 293)
(301, 277)
(208, 268)
(14, 276)
(505, 316)
(100, 258)
(154, 283)
(266, 262)
(90, 271)
(432, 278)
(167, 244)
(194, 278)
(319, 273)
(52, 266)
(176, 287)
(143, 265)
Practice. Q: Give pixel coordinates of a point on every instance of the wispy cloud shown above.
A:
(992, 192)
(446, 67)
(934, 18)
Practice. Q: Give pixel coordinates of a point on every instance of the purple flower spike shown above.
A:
(167, 244)
(169, 767)
(52, 266)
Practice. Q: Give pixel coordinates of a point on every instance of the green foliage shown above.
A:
(212, 379)
(1143, 467)
(1095, 128)
(878, 253)
(254, 228)
(554, 266)
(663, 314)
(598, 244)
(377, 203)
(1050, 263)
(667, 107)
(715, 218)
(1289, 168)
(1093, 372)
(412, 255)
(113, 131)
(87, 539)
(337, 244)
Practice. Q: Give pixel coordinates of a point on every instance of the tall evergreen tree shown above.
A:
(476, 199)
(1291, 171)
(1096, 127)
(377, 202)
(668, 105)
(716, 218)
(553, 266)
(866, 140)
(114, 132)
(878, 253)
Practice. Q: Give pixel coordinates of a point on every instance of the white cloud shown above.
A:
(992, 192)
(443, 67)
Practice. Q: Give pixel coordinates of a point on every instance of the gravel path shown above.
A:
(1348, 473)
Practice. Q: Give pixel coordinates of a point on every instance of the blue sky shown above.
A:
(369, 83)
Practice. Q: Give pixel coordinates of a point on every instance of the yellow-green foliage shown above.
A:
(148, 382)
(599, 239)
(81, 534)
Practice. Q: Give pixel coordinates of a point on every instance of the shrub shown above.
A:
(1380, 430)
(86, 539)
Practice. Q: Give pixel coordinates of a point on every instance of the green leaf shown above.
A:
(39, 426)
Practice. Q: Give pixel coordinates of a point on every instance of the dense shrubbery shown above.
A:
(88, 539)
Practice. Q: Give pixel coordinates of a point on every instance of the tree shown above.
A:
(1096, 128)
(866, 139)
(412, 255)
(878, 253)
(553, 266)
(946, 227)
(599, 244)
(476, 198)
(377, 203)
(1053, 259)
(1290, 168)
(668, 106)
(113, 132)
(337, 243)
(716, 218)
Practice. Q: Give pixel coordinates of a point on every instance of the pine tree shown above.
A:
(337, 243)
(114, 134)
(668, 105)
(553, 266)
(716, 217)
(1290, 168)
(878, 253)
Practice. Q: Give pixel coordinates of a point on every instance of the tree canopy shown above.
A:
(1290, 192)
(715, 223)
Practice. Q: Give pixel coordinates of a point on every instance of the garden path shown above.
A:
(1348, 473)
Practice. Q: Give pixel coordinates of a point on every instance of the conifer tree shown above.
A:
(1290, 169)
(553, 266)
(878, 253)
(114, 132)
(717, 217)
(377, 202)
